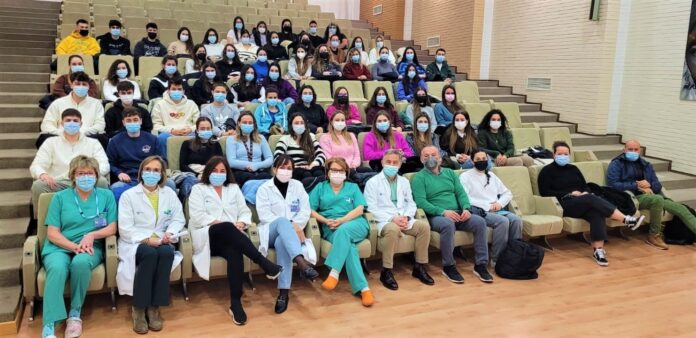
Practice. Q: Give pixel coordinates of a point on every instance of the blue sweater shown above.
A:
(622, 174)
(262, 157)
(408, 93)
(404, 64)
(443, 115)
(261, 69)
(125, 153)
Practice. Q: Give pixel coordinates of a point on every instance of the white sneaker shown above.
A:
(73, 327)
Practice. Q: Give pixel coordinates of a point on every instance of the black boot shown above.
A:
(387, 279)
(421, 273)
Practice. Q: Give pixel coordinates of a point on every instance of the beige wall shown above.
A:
(391, 21)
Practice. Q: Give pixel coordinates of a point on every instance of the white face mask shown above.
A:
(127, 99)
(495, 124)
(283, 175)
(301, 55)
(460, 125)
(339, 125)
(337, 178)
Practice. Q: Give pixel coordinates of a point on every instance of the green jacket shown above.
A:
(437, 193)
(495, 144)
(444, 72)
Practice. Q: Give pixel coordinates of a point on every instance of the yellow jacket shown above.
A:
(78, 44)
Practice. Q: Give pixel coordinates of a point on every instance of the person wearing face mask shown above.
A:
(342, 103)
(300, 65)
(354, 69)
(79, 41)
(286, 211)
(213, 45)
(218, 219)
(246, 49)
(380, 102)
(119, 71)
(221, 112)
(77, 221)
(230, 67)
(339, 142)
(248, 90)
(50, 167)
(286, 92)
(489, 197)
(114, 115)
(444, 111)
(338, 206)
(112, 42)
(409, 84)
(234, 35)
(286, 33)
(91, 109)
(183, 47)
(271, 115)
(375, 53)
(336, 53)
(333, 29)
(382, 138)
(174, 115)
(314, 38)
(459, 141)
(395, 216)
(421, 105)
(313, 113)
(564, 181)
(632, 172)
(383, 69)
(423, 136)
(150, 221)
(303, 40)
(159, 83)
(438, 192)
(195, 62)
(194, 154)
(275, 50)
(150, 45)
(439, 70)
(496, 140)
(61, 87)
(247, 152)
(261, 65)
(304, 150)
(324, 67)
(262, 36)
(359, 44)
(410, 58)
(202, 91)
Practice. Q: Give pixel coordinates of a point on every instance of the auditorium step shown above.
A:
(14, 204)
(24, 67)
(38, 87)
(13, 232)
(589, 140)
(538, 116)
(26, 36)
(21, 98)
(572, 127)
(686, 196)
(504, 98)
(44, 59)
(27, 43)
(20, 110)
(28, 77)
(10, 296)
(19, 124)
(25, 51)
(15, 179)
(48, 27)
(9, 266)
(17, 140)
(16, 158)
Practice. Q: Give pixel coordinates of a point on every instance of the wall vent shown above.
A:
(377, 10)
(433, 41)
(539, 83)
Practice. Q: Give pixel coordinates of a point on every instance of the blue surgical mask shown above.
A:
(205, 134)
(132, 128)
(246, 41)
(358, 45)
(334, 44)
(562, 160)
(176, 95)
(411, 74)
(85, 182)
(212, 38)
(381, 99)
(217, 179)
(274, 75)
(312, 30)
(238, 26)
(439, 58)
(384, 57)
(307, 98)
(122, 73)
(230, 55)
(299, 129)
(116, 31)
(246, 128)
(263, 58)
(77, 68)
(379, 45)
(422, 127)
(355, 58)
(170, 69)
(275, 41)
(249, 77)
(71, 127)
(151, 178)
(272, 102)
(332, 31)
(383, 126)
(219, 97)
(409, 57)
(390, 170)
(81, 91)
(210, 75)
(632, 156)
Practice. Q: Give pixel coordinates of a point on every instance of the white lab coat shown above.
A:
(135, 224)
(205, 206)
(270, 205)
(378, 197)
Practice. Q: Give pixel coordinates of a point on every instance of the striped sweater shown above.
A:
(287, 145)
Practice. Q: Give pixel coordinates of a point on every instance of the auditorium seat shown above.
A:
(64, 67)
(105, 62)
(322, 88)
(355, 90)
(550, 135)
(512, 112)
(525, 138)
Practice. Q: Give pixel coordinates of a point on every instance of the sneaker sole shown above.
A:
(655, 246)
(452, 280)
(233, 319)
(275, 276)
(638, 223)
(482, 279)
(600, 263)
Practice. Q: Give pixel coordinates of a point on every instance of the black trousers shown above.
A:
(591, 208)
(309, 177)
(152, 268)
(241, 176)
(228, 242)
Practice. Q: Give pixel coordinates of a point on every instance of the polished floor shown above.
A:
(644, 292)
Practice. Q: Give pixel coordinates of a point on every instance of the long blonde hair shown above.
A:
(343, 133)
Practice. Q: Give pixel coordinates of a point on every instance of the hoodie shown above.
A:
(265, 119)
(78, 44)
(145, 47)
(168, 115)
(111, 46)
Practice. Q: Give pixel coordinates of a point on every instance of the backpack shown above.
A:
(538, 152)
(519, 260)
(621, 199)
(676, 232)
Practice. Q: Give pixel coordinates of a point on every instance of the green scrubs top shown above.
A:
(332, 205)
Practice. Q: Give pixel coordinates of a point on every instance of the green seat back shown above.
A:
(174, 150)
(355, 89)
(517, 180)
(525, 137)
(467, 91)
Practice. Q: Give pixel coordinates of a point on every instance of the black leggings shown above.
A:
(151, 282)
(309, 177)
(241, 176)
(591, 208)
(228, 242)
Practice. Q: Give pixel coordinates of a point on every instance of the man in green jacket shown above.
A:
(438, 70)
(438, 192)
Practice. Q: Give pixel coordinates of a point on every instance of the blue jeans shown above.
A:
(446, 227)
(505, 228)
(283, 238)
(185, 187)
(120, 187)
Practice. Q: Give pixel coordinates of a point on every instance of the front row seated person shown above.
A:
(271, 115)
(389, 199)
(218, 218)
(77, 222)
(439, 193)
(50, 168)
(631, 172)
(150, 218)
(174, 115)
(304, 150)
(248, 153)
(564, 181)
(128, 149)
(338, 206)
(194, 154)
(114, 115)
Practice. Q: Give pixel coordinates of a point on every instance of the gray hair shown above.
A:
(394, 152)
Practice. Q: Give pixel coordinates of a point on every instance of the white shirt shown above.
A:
(54, 156)
(109, 91)
(482, 195)
(92, 115)
(379, 203)
(214, 49)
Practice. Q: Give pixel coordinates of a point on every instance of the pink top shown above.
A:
(371, 150)
(354, 117)
(350, 152)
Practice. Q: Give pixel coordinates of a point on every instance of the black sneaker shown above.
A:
(237, 312)
(600, 256)
(272, 270)
(450, 271)
(633, 223)
(481, 272)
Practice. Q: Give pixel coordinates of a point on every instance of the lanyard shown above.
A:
(249, 149)
(96, 198)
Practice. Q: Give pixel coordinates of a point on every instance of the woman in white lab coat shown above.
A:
(218, 216)
(284, 211)
(150, 218)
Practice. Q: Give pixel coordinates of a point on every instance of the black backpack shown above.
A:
(519, 260)
(676, 232)
(538, 152)
(621, 199)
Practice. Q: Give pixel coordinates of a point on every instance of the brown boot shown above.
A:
(139, 321)
(656, 241)
(154, 321)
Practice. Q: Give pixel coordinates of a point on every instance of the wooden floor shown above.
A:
(644, 292)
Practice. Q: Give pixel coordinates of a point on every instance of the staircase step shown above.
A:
(672, 180)
(15, 179)
(9, 302)
(495, 91)
(36, 87)
(570, 126)
(42, 59)
(27, 17)
(529, 107)
(604, 151)
(686, 196)
(26, 43)
(28, 77)
(538, 116)
(27, 36)
(504, 98)
(9, 266)
(50, 27)
(21, 98)
(25, 67)
(13, 232)
(39, 7)
(17, 140)
(487, 83)
(20, 110)
(16, 158)
(14, 204)
(589, 140)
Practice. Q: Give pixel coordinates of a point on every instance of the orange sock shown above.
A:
(367, 298)
(330, 283)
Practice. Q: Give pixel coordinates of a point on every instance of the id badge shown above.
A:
(295, 206)
(100, 221)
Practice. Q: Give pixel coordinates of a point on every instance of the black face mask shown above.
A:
(342, 99)
(287, 29)
(421, 100)
(84, 32)
(324, 55)
(481, 165)
(201, 56)
(152, 35)
(305, 42)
